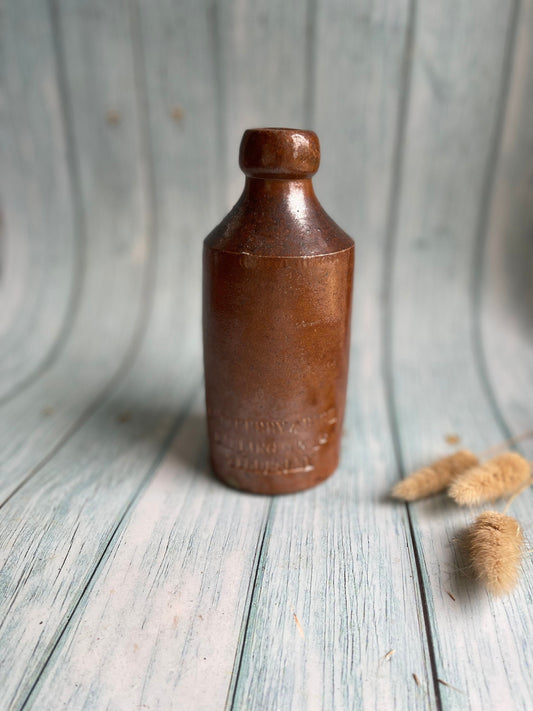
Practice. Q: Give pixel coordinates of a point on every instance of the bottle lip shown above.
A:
(279, 153)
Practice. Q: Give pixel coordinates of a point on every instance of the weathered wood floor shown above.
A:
(130, 578)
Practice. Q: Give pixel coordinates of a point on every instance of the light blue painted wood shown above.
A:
(506, 266)
(506, 298)
(154, 584)
(39, 250)
(460, 67)
(75, 507)
(166, 605)
(163, 365)
(264, 75)
(181, 100)
(94, 45)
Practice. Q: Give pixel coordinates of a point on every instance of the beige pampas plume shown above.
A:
(495, 544)
(435, 477)
(487, 482)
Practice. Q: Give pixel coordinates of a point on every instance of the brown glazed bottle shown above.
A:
(277, 291)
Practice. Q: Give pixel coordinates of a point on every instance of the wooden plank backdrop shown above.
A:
(130, 578)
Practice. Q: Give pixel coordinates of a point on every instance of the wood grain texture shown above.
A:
(59, 514)
(262, 73)
(128, 576)
(460, 70)
(99, 66)
(183, 120)
(334, 592)
(95, 53)
(506, 261)
(505, 316)
(163, 354)
(39, 246)
(167, 605)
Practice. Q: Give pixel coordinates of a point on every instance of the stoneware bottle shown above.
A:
(277, 291)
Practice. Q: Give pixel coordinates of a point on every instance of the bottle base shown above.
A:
(273, 484)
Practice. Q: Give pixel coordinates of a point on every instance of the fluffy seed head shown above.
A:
(435, 477)
(494, 545)
(497, 477)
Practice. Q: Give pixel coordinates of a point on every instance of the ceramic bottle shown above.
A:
(277, 291)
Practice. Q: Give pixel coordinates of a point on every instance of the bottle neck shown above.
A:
(293, 194)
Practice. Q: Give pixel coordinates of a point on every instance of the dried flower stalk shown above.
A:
(495, 544)
(434, 478)
(489, 481)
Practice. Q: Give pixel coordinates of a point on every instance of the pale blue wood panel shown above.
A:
(105, 545)
(61, 527)
(176, 40)
(94, 51)
(39, 251)
(85, 498)
(460, 69)
(94, 47)
(236, 522)
(506, 254)
(337, 587)
(160, 624)
(506, 296)
(264, 73)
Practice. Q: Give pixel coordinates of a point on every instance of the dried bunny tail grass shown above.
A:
(497, 477)
(495, 544)
(434, 478)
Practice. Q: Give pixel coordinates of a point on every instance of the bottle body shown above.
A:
(277, 295)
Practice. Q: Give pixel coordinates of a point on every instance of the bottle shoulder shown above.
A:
(276, 229)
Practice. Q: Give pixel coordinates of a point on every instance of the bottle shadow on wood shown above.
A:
(155, 436)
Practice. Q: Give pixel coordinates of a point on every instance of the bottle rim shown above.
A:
(275, 152)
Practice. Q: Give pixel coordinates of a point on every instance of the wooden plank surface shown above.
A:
(40, 246)
(207, 604)
(50, 518)
(262, 73)
(94, 52)
(505, 319)
(506, 255)
(167, 603)
(128, 576)
(231, 529)
(437, 385)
